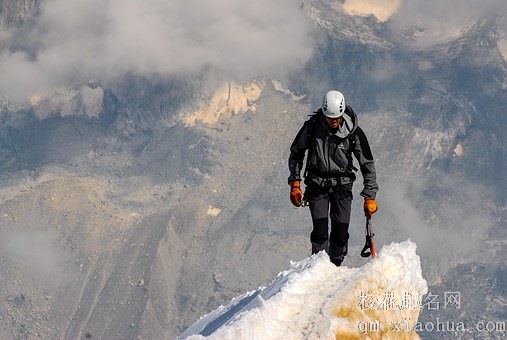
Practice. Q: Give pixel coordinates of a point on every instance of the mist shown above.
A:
(73, 41)
(449, 226)
(35, 254)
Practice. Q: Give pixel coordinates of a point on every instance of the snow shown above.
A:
(313, 299)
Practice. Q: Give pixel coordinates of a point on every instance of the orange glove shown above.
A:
(296, 196)
(370, 207)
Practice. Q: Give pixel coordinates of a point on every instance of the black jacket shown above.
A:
(330, 153)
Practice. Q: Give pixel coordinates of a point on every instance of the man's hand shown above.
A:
(296, 196)
(370, 207)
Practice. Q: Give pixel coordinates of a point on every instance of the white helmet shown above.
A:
(333, 104)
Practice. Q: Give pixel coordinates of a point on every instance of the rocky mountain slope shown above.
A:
(133, 212)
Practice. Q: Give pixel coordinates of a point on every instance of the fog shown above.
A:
(449, 227)
(73, 41)
(34, 253)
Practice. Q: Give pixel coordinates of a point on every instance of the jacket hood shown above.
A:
(349, 124)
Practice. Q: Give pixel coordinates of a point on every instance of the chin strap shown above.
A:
(369, 247)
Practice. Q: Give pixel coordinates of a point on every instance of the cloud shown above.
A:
(75, 40)
(384, 70)
(447, 218)
(34, 252)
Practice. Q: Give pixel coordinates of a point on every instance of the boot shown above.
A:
(336, 261)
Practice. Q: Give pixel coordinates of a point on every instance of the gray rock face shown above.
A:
(17, 12)
(128, 223)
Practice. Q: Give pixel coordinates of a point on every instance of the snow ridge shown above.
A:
(313, 299)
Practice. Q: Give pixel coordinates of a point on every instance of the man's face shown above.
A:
(333, 122)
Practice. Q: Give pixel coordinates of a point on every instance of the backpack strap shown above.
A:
(352, 145)
(351, 137)
(311, 125)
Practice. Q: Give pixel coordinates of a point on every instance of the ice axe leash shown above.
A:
(369, 246)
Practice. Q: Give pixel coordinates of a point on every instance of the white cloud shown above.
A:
(102, 39)
(34, 252)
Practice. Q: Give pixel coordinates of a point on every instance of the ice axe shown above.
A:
(369, 247)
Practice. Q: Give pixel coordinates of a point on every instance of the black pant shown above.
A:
(335, 203)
